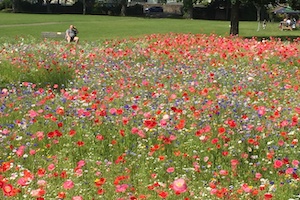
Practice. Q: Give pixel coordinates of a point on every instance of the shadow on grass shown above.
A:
(282, 38)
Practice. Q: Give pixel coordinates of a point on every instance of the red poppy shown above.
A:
(163, 194)
(41, 172)
(7, 189)
(5, 166)
(61, 195)
(268, 196)
(180, 125)
(63, 174)
(60, 124)
(51, 134)
(80, 143)
(99, 137)
(150, 123)
(221, 130)
(100, 182)
(122, 132)
(72, 132)
(100, 191)
(119, 111)
(57, 133)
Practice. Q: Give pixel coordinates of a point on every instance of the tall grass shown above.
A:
(42, 65)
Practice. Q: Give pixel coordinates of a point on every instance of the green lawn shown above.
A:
(98, 27)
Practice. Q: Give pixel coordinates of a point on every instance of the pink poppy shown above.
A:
(284, 123)
(223, 172)
(81, 163)
(170, 169)
(51, 167)
(246, 188)
(20, 151)
(77, 198)
(179, 185)
(78, 172)
(234, 162)
(32, 152)
(125, 120)
(32, 113)
(289, 170)
(280, 142)
(134, 130)
(38, 192)
(40, 135)
(295, 163)
(278, 164)
(147, 115)
(172, 137)
(258, 175)
(113, 111)
(68, 184)
(121, 188)
(41, 183)
(163, 123)
(145, 82)
(173, 96)
(22, 182)
(213, 191)
(141, 134)
(261, 110)
(4, 131)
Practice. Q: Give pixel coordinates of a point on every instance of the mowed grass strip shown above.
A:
(100, 27)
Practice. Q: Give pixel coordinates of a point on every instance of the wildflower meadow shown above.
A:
(162, 116)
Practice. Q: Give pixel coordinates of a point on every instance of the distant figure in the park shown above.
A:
(288, 21)
(71, 34)
(264, 24)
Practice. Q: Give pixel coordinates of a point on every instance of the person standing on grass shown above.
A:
(71, 34)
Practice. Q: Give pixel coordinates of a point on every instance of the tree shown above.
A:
(295, 4)
(48, 2)
(83, 7)
(87, 6)
(16, 6)
(235, 7)
(234, 18)
(188, 8)
(123, 7)
(259, 4)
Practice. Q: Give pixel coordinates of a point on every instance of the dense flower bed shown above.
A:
(174, 116)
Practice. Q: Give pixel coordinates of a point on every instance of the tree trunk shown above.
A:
(188, 9)
(15, 6)
(123, 7)
(83, 7)
(234, 21)
(258, 9)
(48, 6)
